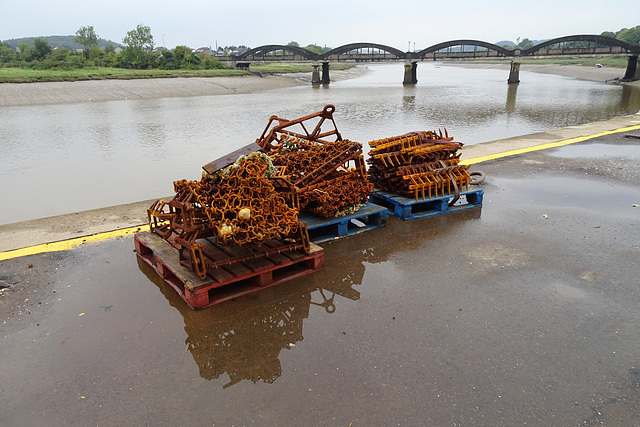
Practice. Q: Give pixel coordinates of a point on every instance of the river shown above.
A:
(57, 159)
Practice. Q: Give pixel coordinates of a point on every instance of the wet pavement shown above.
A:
(522, 312)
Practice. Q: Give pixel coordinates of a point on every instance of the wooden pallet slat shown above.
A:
(227, 282)
(255, 264)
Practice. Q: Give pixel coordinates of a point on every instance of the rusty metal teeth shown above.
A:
(243, 204)
(421, 164)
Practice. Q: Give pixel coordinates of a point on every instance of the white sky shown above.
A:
(323, 22)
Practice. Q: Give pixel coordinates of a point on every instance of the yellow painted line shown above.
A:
(545, 146)
(65, 245)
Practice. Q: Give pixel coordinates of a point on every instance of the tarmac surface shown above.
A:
(524, 311)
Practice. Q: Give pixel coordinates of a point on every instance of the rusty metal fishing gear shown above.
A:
(248, 204)
(421, 164)
(328, 171)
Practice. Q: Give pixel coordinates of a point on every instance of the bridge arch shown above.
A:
(490, 47)
(622, 47)
(261, 51)
(335, 53)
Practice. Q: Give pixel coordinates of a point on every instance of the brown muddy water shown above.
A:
(57, 159)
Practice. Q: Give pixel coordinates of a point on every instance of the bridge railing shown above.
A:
(608, 50)
(274, 58)
(362, 57)
(461, 55)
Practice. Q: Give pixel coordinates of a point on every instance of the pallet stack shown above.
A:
(239, 229)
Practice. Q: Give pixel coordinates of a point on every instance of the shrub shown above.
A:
(73, 62)
(211, 63)
(42, 65)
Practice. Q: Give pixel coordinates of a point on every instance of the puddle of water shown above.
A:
(576, 192)
(398, 312)
(597, 151)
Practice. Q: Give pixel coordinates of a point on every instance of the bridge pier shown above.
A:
(325, 74)
(315, 74)
(242, 66)
(514, 73)
(633, 72)
(410, 73)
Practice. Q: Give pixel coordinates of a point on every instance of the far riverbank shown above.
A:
(17, 94)
(579, 72)
(20, 94)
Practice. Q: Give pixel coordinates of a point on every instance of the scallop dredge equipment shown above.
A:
(330, 176)
(421, 164)
(246, 204)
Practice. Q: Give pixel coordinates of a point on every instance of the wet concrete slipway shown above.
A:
(523, 312)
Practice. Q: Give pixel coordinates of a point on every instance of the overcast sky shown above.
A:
(323, 22)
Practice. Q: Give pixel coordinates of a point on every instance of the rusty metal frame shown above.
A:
(271, 131)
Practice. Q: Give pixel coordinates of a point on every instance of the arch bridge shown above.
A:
(574, 45)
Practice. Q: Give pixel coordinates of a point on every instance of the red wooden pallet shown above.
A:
(227, 282)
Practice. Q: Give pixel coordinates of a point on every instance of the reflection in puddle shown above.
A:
(244, 337)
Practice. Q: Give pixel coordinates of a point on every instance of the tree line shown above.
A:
(139, 53)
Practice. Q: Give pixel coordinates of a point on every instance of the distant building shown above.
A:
(204, 51)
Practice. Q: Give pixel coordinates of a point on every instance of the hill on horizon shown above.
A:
(510, 43)
(57, 41)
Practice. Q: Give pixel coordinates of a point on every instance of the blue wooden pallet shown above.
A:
(405, 208)
(324, 229)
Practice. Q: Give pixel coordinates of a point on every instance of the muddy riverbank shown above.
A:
(579, 72)
(15, 94)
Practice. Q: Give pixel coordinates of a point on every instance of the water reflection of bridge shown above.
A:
(573, 46)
